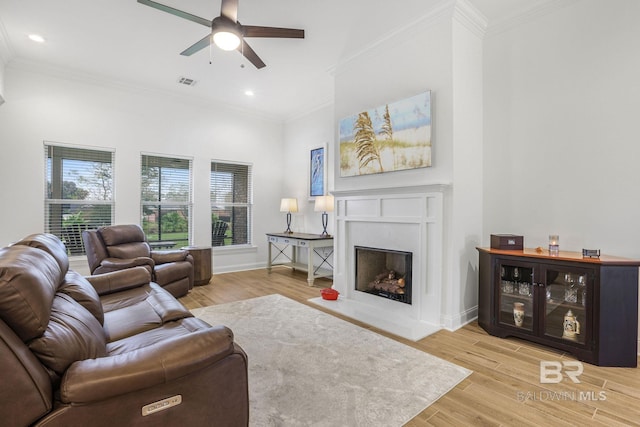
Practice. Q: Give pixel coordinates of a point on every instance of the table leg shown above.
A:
(294, 256)
(310, 265)
(269, 257)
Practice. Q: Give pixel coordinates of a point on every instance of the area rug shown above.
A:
(309, 368)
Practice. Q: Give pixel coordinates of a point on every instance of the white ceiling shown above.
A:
(133, 44)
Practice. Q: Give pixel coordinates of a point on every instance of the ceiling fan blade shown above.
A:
(176, 12)
(256, 31)
(251, 55)
(229, 9)
(197, 46)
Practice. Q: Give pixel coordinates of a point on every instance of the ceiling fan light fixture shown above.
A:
(226, 40)
(36, 38)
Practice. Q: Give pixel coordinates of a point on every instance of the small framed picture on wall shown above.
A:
(317, 172)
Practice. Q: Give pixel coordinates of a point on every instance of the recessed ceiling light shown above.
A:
(36, 38)
(248, 92)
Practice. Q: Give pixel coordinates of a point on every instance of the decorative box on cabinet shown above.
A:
(585, 306)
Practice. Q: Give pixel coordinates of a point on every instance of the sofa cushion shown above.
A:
(129, 250)
(153, 336)
(51, 244)
(167, 273)
(136, 310)
(72, 334)
(79, 288)
(163, 257)
(119, 280)
(118, 234)
(130, 320)
(29, 278)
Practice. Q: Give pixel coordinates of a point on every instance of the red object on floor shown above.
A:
(330, 294)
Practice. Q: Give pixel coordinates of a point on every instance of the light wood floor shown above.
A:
(504, 389)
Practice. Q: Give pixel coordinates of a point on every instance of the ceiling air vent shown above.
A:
(186, 81)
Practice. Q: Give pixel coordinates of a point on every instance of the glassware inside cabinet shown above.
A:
(565, 303)
(516, 297)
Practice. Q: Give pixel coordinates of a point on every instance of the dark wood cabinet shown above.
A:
(585, 306)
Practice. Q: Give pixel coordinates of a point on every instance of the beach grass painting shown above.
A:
(388, 138)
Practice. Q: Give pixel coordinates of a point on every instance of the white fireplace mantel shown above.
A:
(396, 190)
(408, 218)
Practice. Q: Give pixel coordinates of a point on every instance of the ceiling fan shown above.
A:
(226, 32)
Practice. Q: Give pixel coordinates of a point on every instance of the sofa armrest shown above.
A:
(115, 264)
(120, 280)
(163, 257)
(93, 380)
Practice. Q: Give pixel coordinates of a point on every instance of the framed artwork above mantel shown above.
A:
(391, 137)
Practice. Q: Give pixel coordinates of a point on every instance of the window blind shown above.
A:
(166, 200)
(78, 192)
(231, 192)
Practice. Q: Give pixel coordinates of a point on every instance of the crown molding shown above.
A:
(310, 109)
(460, 10)
(525, 16)
(470, 17)
(6, 51)
(435, 15)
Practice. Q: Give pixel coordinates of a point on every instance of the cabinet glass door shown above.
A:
(565, 304)
(515, 296)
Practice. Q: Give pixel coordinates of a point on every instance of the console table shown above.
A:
(279, 242)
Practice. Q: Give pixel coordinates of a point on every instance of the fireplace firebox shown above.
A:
(383, 272)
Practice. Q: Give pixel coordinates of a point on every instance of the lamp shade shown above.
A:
(324, 204)
(289, 205)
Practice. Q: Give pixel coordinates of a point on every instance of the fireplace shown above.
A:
(383, 272)
(399, 229)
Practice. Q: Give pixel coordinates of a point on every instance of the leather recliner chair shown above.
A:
(105, 350)
(116, 247)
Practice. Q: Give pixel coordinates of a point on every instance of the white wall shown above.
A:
(4, 55)
(2, 66)
(81, 112)
(561, 106)
(465, 220)
(406, 64)
(301, 135)
(441, 52)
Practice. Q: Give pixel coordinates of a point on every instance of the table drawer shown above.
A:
(287, 241)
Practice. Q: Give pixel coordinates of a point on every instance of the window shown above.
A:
(231, 202)
(78, 192)
(166, 201)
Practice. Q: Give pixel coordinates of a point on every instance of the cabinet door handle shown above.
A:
(533, 280)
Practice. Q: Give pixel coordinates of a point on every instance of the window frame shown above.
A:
(71, 234)
(249, 204)
(171, 203)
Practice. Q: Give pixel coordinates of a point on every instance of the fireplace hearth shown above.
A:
(383, 272)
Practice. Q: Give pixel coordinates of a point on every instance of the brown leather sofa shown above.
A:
(108, 350)
(117, 247)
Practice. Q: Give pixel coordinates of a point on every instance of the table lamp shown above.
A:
(289, 205)
(324, 204)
